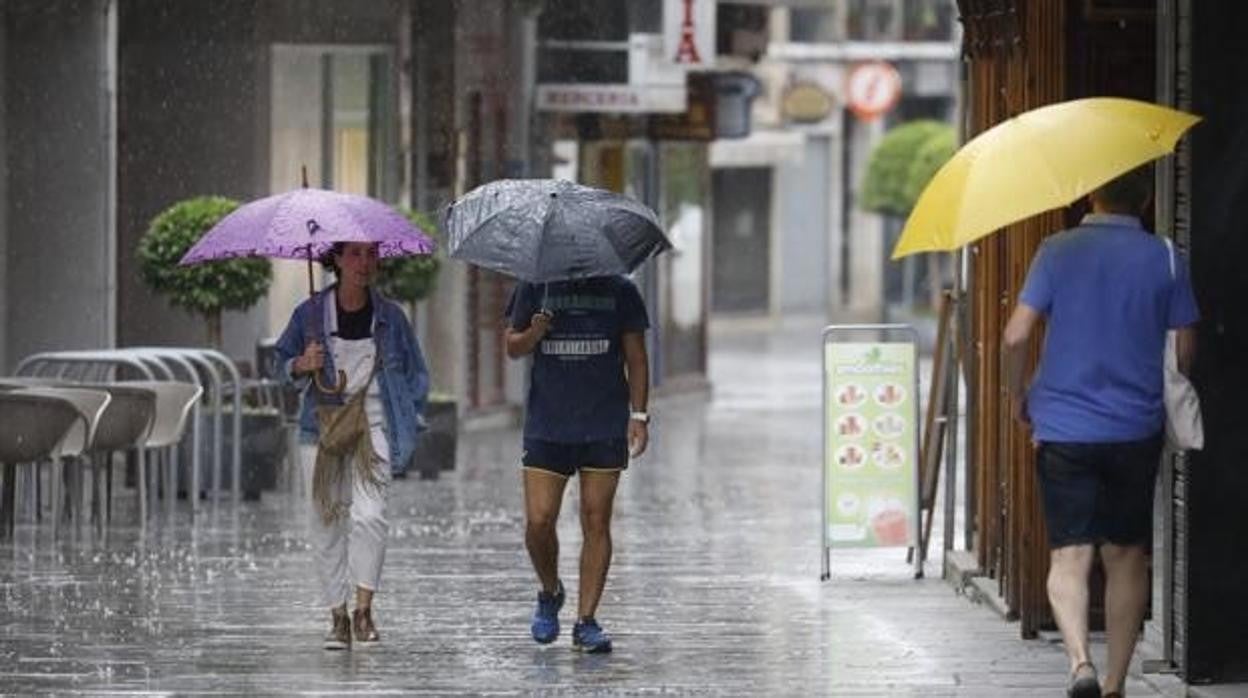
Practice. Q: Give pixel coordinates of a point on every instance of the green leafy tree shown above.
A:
(205, 289)
(901, 165)
(931, 156)
(411, 278)
(887, 188)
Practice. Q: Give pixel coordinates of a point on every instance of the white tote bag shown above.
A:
(1184, 428)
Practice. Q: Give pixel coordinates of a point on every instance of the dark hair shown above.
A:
(1128, 193)
(327, 259)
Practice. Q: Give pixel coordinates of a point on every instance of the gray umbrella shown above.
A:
(541, 230)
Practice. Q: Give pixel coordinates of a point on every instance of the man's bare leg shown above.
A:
(1068, 595)
(1126, 599)
(543, 497)
(597, 504)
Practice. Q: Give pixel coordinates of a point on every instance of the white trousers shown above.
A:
(351, 549)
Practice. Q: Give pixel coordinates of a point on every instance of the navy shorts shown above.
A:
(1099, 492)
(567, 459)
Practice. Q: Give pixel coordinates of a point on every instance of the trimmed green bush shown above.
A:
(888, 188)
(411, 279)
(932, 155)
(205, 289)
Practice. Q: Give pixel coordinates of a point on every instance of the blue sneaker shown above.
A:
(545, 626)
(588, 636)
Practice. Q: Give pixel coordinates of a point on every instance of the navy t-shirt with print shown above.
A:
(577, 390)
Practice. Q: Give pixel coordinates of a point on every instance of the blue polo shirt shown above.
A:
(1107, 292)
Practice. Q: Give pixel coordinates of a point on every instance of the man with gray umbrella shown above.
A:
(585, 416)
(584, 323)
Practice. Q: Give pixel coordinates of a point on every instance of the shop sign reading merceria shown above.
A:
(610, 98)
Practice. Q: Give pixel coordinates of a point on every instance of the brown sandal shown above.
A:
(339, 636)
(1083, 682)
(363, 626)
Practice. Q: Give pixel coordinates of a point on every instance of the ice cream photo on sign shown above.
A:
(851, 395)
(890, 395)
(851, 457)
(851, 426)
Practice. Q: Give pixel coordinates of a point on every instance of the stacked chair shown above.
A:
(73, 418)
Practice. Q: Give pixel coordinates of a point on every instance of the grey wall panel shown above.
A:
(741, 240)
(190, 123)
(58, 277)
(805, 230)
(4, 195)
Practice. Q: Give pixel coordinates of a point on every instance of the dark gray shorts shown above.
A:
(1099, 492)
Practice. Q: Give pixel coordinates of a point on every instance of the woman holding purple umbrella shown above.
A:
(354, 431)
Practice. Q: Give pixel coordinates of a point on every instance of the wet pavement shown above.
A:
(714, 589)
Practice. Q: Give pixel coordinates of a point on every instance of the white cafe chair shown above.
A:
(91, 405)
(174, 402)
(34, 427)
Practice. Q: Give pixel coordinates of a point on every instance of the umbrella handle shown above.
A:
(335, 389)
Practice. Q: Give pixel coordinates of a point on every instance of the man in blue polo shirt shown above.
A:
(1095, 406)
(585, 416)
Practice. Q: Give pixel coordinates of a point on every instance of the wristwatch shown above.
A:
(643, 417)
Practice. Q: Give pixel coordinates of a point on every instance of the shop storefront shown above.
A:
(1022, 55)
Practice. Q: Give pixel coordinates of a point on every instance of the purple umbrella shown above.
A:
(305, 224)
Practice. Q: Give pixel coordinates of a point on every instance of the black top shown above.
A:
(356, 324)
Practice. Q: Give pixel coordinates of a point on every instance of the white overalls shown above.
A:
(350, 550)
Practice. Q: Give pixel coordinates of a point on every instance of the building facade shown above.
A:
(1024, 55)
(116, 109)
(836, 77)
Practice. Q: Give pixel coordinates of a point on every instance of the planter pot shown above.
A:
(265, 439)
(435, 448)
(264, 444)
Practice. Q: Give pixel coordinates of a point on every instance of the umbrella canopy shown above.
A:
(1036, 161)
(541, 230)
(305, 223)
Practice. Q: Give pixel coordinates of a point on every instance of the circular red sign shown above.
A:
(872, 89)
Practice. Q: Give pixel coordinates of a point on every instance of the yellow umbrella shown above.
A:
(1036, 161)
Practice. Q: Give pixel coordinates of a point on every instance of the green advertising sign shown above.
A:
(871, 451)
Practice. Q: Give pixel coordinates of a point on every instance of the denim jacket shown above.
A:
(402, 375)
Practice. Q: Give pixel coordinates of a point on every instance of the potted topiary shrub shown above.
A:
(208, 290)
(411, 280)
(203, 289)
(435, 450)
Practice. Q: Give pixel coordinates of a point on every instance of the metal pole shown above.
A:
(951, 432)
(826, 572)
(969, 474)
(917, 527)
